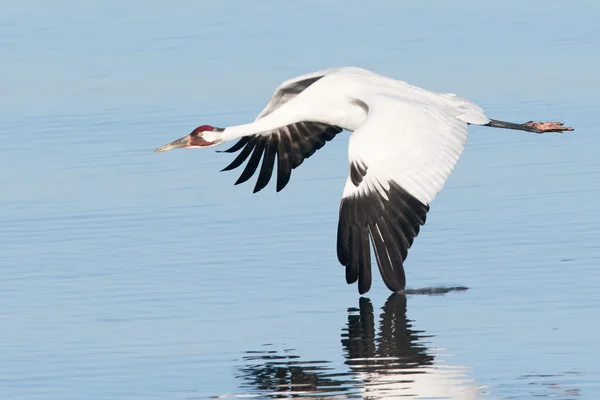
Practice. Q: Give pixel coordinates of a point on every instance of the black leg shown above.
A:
(531, 126)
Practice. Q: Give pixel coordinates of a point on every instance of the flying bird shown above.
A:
(404, 144)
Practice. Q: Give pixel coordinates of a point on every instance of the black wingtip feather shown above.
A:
(242, 156)
(266, 169)
(284, 164)
(291, 145)
(354, 265)
(364, 273)
(395, 256)
(391, 225)
(343, 234)
(240, 143)
(253, 162)
(384, 262)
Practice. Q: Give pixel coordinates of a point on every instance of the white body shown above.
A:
(404, 145)
(404, 133)
(405, 142)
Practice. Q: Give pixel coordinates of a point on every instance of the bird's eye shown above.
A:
(199, 133)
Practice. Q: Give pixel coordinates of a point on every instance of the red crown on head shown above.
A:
(203, 128)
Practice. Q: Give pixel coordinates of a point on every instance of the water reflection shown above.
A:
(396, 362)
(381, 362)
(284, 375)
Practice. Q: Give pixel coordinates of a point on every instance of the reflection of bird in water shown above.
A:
(391, 363)
(396, 338)
(396, 363)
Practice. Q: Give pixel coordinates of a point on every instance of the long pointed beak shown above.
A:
(179, 143)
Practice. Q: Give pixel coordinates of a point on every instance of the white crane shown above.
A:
(405, 142)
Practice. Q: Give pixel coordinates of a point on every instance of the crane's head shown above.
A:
(202, 136)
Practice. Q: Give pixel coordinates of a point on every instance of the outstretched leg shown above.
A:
(531, 126)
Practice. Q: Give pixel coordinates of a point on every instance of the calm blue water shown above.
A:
(126, 274)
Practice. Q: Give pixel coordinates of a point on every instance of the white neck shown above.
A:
(285, 115)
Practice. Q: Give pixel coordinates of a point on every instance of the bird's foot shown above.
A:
(541, 127)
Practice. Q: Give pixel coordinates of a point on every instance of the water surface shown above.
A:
(126, 274)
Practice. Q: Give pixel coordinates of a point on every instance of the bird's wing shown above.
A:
(290, 144)
(400, 158)
(291, 88)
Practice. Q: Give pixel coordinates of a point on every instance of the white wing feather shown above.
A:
(405, 143)
(291, 88)
(415, 144)
(400, 158)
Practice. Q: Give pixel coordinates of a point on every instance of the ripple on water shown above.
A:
(385, 357)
